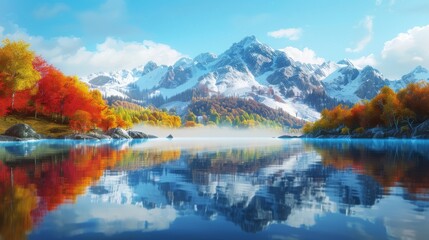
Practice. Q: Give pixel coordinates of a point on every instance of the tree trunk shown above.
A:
(13, 100)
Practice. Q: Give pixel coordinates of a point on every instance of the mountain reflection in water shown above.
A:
(222, 188)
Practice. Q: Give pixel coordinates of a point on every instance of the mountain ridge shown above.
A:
(253, 70)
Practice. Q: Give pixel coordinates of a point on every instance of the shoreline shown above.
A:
(420, 131)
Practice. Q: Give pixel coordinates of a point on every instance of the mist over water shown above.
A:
(211, 132)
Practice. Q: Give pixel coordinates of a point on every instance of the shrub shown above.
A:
(405, 129)
(308, 128)
(190, 124)
(359, 130)
(345, 131)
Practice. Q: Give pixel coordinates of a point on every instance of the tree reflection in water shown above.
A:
(252, 186)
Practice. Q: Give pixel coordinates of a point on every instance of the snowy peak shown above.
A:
(248, 44)
(321, 71)
(183, 62)
(247, 41)
(249, 54)
(149, 67)
(349, 83)
(205, 58)
(345, 62)
(419, 73)
(369, 72)
(419, 69)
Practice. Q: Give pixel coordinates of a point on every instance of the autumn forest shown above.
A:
(400, 111)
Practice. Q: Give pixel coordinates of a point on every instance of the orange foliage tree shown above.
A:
(81, 121)
(28, 85)
(386, 109)
(415, 98)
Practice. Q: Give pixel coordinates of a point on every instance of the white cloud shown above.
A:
(50, 11)
(364, 61)
(110, 218)
(71, 56)
(404, 52)
(367, 24)
(290, 33)
(305, 56)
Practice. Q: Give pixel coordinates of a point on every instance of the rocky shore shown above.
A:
(24, 132)
(417, 131)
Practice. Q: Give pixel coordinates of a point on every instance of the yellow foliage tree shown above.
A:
(16, 67)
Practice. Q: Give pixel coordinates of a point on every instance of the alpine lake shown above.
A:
(219, 188)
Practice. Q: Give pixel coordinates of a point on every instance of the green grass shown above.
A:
(40, 125)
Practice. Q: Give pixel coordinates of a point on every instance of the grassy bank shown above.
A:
(42, 126)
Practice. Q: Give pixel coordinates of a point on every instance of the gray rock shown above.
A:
(151, 136)
(137, 134)
(22, 130)
(345, 136)
(170, 136)
(424, 136)
(379, 134)
(287, 136)
(98, 135)
(4, 138)
(118, 133)
(87, 136)
(78, 136)
(422, 129)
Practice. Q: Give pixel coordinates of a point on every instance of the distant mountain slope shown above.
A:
(352, 84)
(237, 109)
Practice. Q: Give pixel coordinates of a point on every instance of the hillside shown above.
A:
(234, 111)
(44, 126)
(134, 114)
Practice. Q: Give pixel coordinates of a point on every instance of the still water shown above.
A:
(215, 189)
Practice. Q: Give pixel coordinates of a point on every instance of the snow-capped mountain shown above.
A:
(251, 69)
(350, 83)
(418, 74)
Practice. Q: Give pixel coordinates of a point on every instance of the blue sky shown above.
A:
(99, 35)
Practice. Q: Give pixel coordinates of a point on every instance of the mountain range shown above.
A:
(253, 70)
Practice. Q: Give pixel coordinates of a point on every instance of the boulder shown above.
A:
(98, 135)
(317, 134)
(88, 136)
(423, 136)
(79, 136)
(421, 129)
(22, 130)
(118, 133)
(137, 134)
(287, 136)
(379, 134)
(151, 136)
(4, 138)
(170, 136)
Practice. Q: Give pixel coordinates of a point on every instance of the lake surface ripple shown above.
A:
(235, 188)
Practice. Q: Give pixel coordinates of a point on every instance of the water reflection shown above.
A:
(389, 162)
(305, 189)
